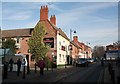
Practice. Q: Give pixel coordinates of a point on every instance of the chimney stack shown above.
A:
(75, 38)
(53, 19)
(44, 13)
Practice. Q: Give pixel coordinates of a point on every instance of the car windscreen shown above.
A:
(81, 59)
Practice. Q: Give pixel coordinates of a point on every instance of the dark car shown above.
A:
(81, 61)
(90, 60)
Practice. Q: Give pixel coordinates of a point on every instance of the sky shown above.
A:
(95, 22)
(59, 0)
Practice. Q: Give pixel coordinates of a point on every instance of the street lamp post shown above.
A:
(70, 58)
(71, 33)
(52, 61)
(5, 67)
(84, 54)
(28, 68)
(87, 49)
(66, 57)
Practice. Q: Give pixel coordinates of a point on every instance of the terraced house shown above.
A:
(62, 50)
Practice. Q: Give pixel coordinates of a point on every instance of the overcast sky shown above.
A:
(95, 22)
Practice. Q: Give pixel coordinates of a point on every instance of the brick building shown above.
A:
(113, 47)
(86, 51)
(58, 40)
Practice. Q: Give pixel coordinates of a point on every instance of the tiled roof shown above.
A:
(60, 31)
(16, 32)
(80, 44)
(72, 42)
(27, 32)
(63, 34)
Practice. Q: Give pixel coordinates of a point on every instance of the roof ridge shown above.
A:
(58, 29)
(17, 29)
(52, 25)
(76, 44)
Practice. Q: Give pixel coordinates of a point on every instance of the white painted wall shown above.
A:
(62, 41)
(112, 56)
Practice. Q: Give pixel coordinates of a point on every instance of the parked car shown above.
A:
(90, 60)
(81, 61)
(95, 59)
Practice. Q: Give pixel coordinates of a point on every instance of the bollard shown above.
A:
(35, 67)
(65, 65)
(28, 69)
(51, 66)
(5, 73)
(23, 72)
(11, 68)
(118, 80)
(47, 65)
(87, 63)
(110, 68)
(113, 76)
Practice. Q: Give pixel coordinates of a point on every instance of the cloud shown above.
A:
(31, 24)
(34, 5)
(52, 6)
(86, 25)
(82, 12)
(99, 36)
(29, 0)
(60, 0)
(0, 15)
(91, 28)
(100, 33)
(22, 15)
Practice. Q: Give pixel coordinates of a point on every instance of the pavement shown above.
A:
(49, 75)
(107, 75)
(56, 74)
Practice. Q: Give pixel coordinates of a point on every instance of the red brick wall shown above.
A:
(24, 45)
(51, 32)
(75, 51)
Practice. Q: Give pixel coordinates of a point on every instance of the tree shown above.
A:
(36, 44)
(117, 44)
(98, 51)
(9, 43)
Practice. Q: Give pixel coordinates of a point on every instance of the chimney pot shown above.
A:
(44, 13)
(53, 19)
(75, 38)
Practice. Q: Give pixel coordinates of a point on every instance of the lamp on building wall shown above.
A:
(72, 31)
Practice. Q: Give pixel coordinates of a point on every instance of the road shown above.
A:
(85, 74)
(70, 74)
